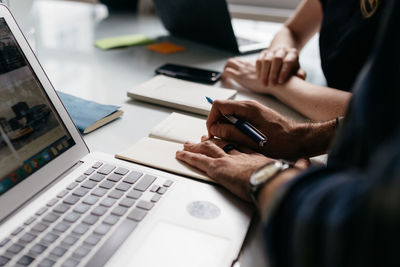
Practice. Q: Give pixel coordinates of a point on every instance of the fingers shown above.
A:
(266, 63)
(229, 133)
(231, 73)
(290, 63)
(276, 66)
(302, 74)
(199, 161)
(208, 148)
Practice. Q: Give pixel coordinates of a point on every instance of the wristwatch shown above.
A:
(264, 175)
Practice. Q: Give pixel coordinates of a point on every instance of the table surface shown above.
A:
(62, 35)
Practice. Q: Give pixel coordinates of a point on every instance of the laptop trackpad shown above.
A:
(177, 246)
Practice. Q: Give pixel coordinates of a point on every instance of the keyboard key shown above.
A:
(17, 231)
(72, 217)
(81, 229)
(30, 220)
(80, 179)
(90, 200)
(61, 208)
(70, 263)
(137, 214)
(69, 240)
(81, 208)
(101, 257)
(52, 202)
(4, 242)
(72, 186)
(90, 219)
(97, 165)
(61, 227)
(162, 190)
(127, 202)
(154, 188)
(4, 260)
(62, 194)
(89, 171)
(107, 202)
(51, 217)
(80, 192)
(81, 252)
(111, 219)
(168, 183)
(39, 227)
(123, 187)
(102, 229)
(92, 240)
(145, 182)
(89, 184)
(71, 200)
(41, 211)
(97, 177)
(46, 263)
(134, 194)
(145, 205)
(116, 194)
(15, 249)
(50, 238)
(25, 260)
(155, 198)
(106, 169)
(119, 211)
(114, 177)
(27, 238)
(121, 171)
(58, 251)
(133, 177)
(99, 211)
(107, 184)
(99, 192)
(38, 249)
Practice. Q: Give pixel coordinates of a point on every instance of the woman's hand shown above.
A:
(276, 66)
(232, 170)
(284, 136)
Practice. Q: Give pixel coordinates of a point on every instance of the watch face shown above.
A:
(265, 173)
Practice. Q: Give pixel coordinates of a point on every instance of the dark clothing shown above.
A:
(346, 39)
(348, 213)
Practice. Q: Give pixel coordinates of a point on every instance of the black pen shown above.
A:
(245, 128)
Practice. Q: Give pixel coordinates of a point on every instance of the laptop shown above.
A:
(61, 205)
(209, 22)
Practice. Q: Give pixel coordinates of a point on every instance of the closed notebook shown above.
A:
(88, 115)
(179, 94)
(159, 148)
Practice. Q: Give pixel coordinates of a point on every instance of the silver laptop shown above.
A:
(209, 22)
(61, 205)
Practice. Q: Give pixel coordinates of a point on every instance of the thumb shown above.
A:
(302, 74)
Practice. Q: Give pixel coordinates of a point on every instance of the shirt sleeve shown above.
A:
(339, 218)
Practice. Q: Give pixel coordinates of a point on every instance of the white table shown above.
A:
(62, 35)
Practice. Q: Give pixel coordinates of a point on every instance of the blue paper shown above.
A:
(83, 112)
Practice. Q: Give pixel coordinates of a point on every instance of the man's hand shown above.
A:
(231, 170)
(276, 66)
(284, 136)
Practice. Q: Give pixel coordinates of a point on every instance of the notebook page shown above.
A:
(160, 154)
(180, 128)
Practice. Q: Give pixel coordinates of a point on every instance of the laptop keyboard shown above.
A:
(76, 222)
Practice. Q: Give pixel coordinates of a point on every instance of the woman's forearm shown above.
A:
(313, 101)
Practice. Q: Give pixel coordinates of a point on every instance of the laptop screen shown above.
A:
(31, 131)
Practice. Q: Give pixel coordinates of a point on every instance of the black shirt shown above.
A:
(346, 38)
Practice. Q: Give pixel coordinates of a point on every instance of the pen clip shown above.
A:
(256, 130)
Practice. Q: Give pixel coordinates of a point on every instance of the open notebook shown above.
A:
(159, 148)
(179, 94)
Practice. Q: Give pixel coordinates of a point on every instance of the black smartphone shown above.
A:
(189, 73)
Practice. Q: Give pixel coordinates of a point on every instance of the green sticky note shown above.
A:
(123, 41)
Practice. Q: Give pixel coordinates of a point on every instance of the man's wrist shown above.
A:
(269, 189)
